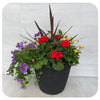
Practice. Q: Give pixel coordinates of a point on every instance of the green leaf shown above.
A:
(48, 65)
(60, 32)
(58, 67)
(29, 78)
(40, 73)
(37, 66)
(52, 60)
(44, 62)
(28, 71)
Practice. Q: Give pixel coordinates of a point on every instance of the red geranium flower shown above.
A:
(42, 38)
(57, 37)
(65, 43)
(56, 54)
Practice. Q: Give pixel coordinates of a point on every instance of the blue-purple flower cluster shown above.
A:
(55, 41)
(37, 34)
(20, 80)
(13, 59)
(7, 73)
(31, 45)
(24, 69)
(20, 45)
(12, 52)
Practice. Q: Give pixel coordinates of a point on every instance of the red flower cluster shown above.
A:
(65, 43)
(57, 37)
(42, 38)
(56, 54)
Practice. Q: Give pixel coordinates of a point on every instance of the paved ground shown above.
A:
(75, 87)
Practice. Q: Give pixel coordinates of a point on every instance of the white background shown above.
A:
(83, 17)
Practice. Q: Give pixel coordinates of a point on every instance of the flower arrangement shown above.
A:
(51, 49)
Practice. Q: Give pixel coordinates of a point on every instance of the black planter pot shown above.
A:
(52, 81)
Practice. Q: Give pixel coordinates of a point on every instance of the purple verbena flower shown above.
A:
(23, 64)
(26, 67)
(37, 34)
(55, 42)
(7, 73)
(12, 57)
(16, 50)
(12, 52)
(13, 60)
(23, 87)
(20, 45)
(23, 70)
(31, 45)
(20, 80)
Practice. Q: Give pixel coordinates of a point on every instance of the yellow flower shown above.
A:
(62, 36)
(81, 47)
(77, 40)
(73, 42)
(72, 39)
(67, 38)
(75, 50)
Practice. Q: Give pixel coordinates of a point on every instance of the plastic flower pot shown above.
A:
(52, 81)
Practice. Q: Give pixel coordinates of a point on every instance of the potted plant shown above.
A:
(50, 54)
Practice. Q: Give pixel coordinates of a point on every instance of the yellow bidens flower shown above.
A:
(67, 38)
(73, 42)
(81, 47)
(77, 40)
(62, 36)
(72, 39)
(75, 50)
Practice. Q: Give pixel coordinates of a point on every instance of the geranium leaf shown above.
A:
(37, 66)
(44, 62)
(58, 67)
